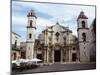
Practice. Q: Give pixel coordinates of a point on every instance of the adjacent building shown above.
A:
(15, 46)
(92, 46)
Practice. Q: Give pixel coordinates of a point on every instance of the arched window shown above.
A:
(14, 54)
(31, 23)
(64, 38)
(84, 36)
(57, 36)
(15, 43)
(83, 24)
(73, 48)
(30, 35)
(31, 13)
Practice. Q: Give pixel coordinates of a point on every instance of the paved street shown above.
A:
(59, 67)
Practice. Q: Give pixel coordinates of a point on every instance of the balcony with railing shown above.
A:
(14, 47)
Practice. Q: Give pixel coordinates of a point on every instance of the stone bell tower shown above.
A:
(83, 37)
(31, 28)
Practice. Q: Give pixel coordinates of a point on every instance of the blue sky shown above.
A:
(47, 15)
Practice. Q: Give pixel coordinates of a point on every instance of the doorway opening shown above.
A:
(57, 56)
(74, 57)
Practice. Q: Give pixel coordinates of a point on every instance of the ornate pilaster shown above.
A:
(69, 54)
(61, 56)
(64, 54)
(50, 55)
(45, 60)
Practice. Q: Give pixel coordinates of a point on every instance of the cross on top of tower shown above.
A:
(31, 13)
(57, 23)
(82, 15)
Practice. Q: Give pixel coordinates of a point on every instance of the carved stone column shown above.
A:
(67, 54)
(47, 56)
(50, 55)
(78, 56)
(45, 60)
(53, 55)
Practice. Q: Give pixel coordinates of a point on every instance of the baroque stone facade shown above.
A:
(57, 44)
(60, 45)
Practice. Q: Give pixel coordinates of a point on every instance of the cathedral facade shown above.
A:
(60, 45)
(57, 44)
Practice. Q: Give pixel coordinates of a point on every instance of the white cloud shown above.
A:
(60, 11)
(44, 22)
(19, 20)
